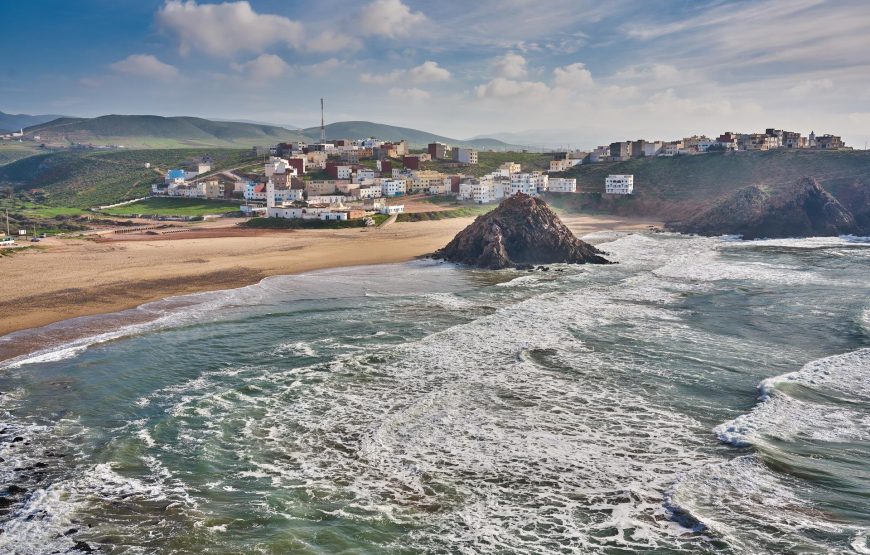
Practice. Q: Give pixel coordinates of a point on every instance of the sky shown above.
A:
(553, 73)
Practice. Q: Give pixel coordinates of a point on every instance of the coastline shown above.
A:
(71, 278)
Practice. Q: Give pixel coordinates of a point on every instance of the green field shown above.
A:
(162, 206)
(86, 178)
(461, 212)
(11, 151)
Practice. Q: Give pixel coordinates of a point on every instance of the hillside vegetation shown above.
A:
(82, 178)
(490, 161)
(157, 132)
(675, 188)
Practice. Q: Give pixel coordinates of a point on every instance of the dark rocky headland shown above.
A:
(522, 231)
(804, 209)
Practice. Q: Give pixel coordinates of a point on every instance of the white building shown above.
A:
(562, 185)
(328, 199)
(529, 183)
(619, 184)
(390, 210)
(363, 175)
(343, 172)
(373, 191)
(483, 192)
(393, 187)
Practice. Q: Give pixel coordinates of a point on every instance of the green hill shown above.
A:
(14, 122)
(415, 137)
(675, 188)
(157, 132)
(85, 178)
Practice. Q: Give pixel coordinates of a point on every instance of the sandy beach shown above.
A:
(66, 278)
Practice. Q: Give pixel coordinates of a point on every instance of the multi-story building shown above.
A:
(829, 142)
(465, 155)
(562, 185)
(619, 184)
(620, 151)
(393, 187)
(599, 154)
(439, 151)
(511, 167)
(652, 148)
(323, 187)
(424, 180)
(364, 174)
(532, 183)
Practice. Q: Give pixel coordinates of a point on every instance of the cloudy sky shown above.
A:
(567, 72)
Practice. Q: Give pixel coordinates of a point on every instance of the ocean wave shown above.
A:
(783, 414)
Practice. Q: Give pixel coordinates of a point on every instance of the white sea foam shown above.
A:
(785, 416)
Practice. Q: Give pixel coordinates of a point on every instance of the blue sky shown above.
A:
(566, 72)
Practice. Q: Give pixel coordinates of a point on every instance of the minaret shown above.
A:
(270, 195)
(322, 127)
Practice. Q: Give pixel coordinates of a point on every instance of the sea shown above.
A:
(702, 395)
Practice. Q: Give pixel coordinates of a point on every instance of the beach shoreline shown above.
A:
(71, 278)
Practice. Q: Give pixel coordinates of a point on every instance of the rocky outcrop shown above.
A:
(523, 230)
(802, 210)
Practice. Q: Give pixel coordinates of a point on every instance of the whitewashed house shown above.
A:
(619, 184)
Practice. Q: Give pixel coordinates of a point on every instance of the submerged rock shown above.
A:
(803, 210)
(522, 231)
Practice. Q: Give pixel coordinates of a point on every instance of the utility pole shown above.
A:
(7, 223)
(322, 127)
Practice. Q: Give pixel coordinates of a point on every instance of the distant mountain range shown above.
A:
(144, 131)
(157, 132)
(415, 137)
(14, 122)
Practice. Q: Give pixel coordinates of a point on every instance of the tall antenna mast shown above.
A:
(322, 128)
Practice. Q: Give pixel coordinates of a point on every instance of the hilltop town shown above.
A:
(346, 179)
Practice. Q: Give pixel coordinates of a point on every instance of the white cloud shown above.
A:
(333, 41)
(574, 76)
(811, 86)
(427, 72)
(264, 67)
(511, 66)
(322, 68)
(227, 28)
(413, 94)
(389, 18)
(145, 65)
(511, 89)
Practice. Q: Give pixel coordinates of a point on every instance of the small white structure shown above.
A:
(619, 184)
(390, 210)
(562, 185)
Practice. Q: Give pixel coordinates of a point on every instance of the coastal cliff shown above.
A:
(803, 210)
(523, 230)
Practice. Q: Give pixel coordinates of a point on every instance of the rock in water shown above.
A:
(523, 230)
(803, 210)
